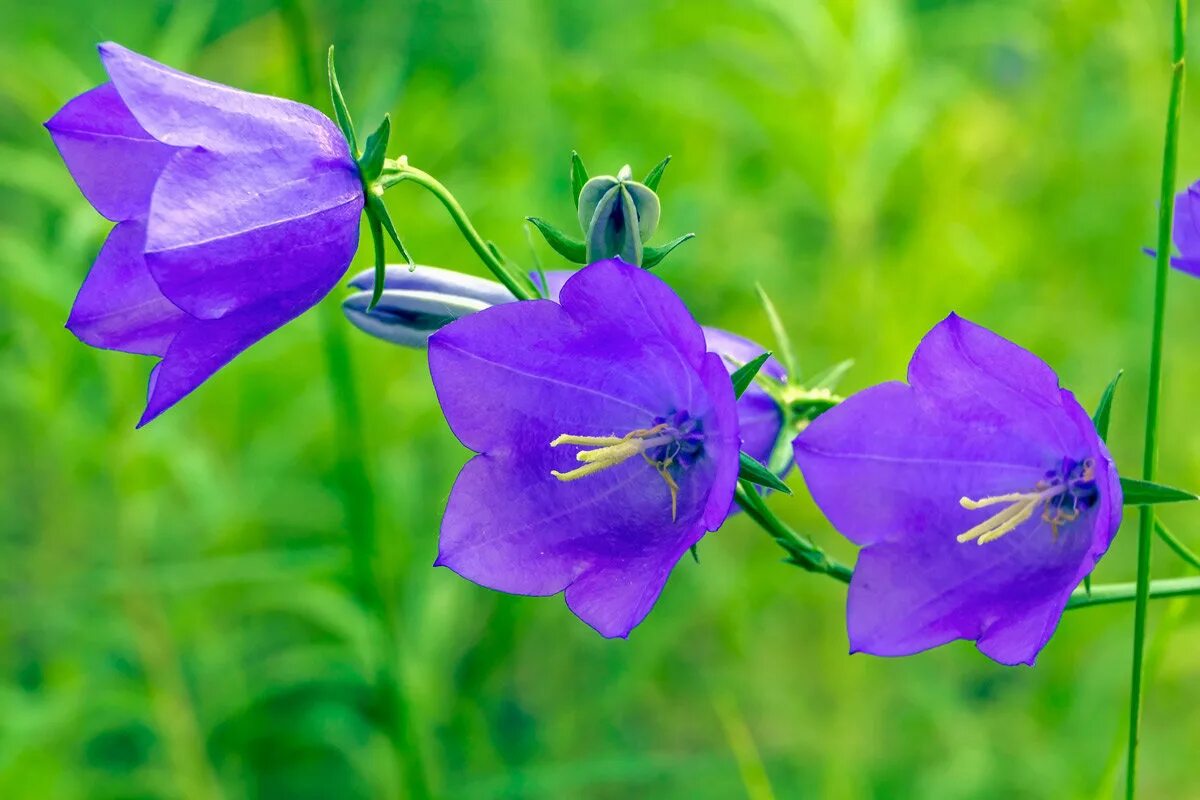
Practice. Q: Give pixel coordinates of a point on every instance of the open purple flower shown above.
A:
(607, 443)
(980, 492)
(236, 212)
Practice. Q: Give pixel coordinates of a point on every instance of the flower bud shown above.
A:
(617, 215)
(415, 304)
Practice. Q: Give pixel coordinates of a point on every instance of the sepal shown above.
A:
(571, 249)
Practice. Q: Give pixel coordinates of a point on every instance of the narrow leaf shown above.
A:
(380, 261)
(655, 175)
(340, 112)
(830, 378)
(752, 471)
(651, 256)
(1181, 549)
(743, 376)
(570, 249)
(784, 342)
(579, 176)
(379, 210)
(1104, 409)
(1145, 493)
(371, 163)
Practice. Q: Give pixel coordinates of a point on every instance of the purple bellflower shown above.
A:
(607, 442)
(980, 493)
(235, 213)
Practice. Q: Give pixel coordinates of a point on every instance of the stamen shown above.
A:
(609, 451)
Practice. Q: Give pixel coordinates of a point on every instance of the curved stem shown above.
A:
(1106, 593)
(801, 550)
(517, 283)
(1150, 451)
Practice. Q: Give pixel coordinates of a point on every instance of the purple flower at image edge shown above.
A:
(235, 213)
(759, 416)
(1186, 231)
(606, 439)
(980, 493)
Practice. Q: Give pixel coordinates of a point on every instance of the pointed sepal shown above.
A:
(1148, 493)
(743, 376)
(653, 256)
(571, 249)
(1104, 409)
(752, 471)
(655, 175)
(378, 211)
(340, 113)
(375, 151)
(579, 176)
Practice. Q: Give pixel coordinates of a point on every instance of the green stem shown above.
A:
(516, 282)
(1106, 593)
(358, 494)
(1150, 451)
(801, 551)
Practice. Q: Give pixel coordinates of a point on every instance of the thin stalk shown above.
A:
(517, 283)
(357, 490)
(1150, 451)
(1106, 593)
(801, 551)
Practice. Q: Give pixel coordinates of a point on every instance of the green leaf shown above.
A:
(570, 249)
(371, 163)
(695, 553)
(830, 378)
(655, 175)
(579, 176)
(340, 112)
(786, 354)
(1145, 493)
(744, 375)
(1104, 409)
(1181, 549)
(380, 260)
(651, 256)
(379, 211)
(752, 471)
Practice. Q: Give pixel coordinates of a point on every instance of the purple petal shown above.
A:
(204, 346)
(119, 306)
(185, 111)
(228, 231)
(112, 158)
(759, 416)
(1186, 232)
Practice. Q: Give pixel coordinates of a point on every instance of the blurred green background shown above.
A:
(180, 612)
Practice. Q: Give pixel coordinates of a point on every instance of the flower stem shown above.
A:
(801, 551)
(358, 494)
(515, 281)
(1106, 593)
(1150, 451)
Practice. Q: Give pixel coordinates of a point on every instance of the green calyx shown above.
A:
(617, 216)
(372, 163)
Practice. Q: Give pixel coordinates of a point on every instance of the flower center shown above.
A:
(1063, 495)
(676, 440)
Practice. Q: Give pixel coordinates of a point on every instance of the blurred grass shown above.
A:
(178, 613)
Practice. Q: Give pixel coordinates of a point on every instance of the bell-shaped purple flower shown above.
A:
(607, 443)
(980, 492)
(235, 213)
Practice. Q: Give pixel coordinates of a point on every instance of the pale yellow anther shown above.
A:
(613, 450)
(1021, 507)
